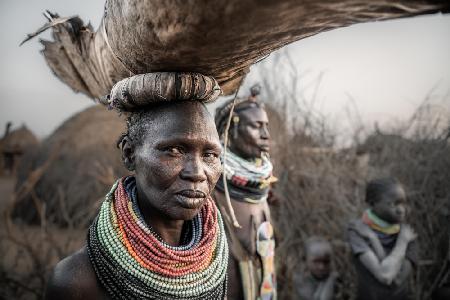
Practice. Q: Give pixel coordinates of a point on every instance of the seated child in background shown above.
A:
(383, 247)
(316, 281)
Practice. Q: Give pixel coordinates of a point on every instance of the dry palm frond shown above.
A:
(218, 38)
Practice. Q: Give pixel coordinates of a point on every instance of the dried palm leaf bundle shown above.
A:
(217, 38)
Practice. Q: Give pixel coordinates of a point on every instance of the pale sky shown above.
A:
(387, 67)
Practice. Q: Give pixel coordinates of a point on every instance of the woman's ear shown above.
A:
(128, 156)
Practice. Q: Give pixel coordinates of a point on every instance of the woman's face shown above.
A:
(252, 134)
(177, 165)
(391, 207)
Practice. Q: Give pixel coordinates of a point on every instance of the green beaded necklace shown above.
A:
(132, 263)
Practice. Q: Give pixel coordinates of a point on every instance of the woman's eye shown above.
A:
(174, 150)
(210, 155)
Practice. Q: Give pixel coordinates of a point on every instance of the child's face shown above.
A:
(392, 205)
(318, 261)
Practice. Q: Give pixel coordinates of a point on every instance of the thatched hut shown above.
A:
(65, 179)
(13, 145)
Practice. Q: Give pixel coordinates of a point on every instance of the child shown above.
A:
(317, 281)
(384, 248)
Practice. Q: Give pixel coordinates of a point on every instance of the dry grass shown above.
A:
(324, 190)
(323, 186)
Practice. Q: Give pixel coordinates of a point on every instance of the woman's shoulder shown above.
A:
(74, 278)
(357, 236)
(356, 224)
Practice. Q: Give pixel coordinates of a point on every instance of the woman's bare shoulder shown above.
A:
(74, 278)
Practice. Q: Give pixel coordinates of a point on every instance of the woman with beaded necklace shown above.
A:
(247, 178)
(158, 234)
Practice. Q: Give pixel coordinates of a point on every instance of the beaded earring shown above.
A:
(235, 126)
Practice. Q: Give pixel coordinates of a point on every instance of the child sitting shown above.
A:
(316, 281)
(383, 247)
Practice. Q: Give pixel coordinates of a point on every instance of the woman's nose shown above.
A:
(401, 210)
(193, 170)
(265, 132)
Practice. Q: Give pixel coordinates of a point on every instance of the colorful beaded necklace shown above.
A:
(374, 222)
(132, 262)
(248, 181)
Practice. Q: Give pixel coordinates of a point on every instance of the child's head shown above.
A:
(318, 254)
(387, 199)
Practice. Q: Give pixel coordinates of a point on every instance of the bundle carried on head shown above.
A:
(220, 38)
(136, 92)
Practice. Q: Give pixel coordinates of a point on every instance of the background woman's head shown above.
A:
(387, 199)
(248, 135)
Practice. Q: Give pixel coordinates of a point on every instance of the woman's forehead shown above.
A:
(254, 114)
(189, 122)
(395, 191)
(319, 251)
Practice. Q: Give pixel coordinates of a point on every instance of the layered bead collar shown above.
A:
(248, 180)
(132, 262)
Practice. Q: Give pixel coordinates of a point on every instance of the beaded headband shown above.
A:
(141, 90)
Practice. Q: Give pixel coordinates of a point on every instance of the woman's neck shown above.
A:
(169, 230)
(240, 153)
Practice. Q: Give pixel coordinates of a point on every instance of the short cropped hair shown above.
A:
(377, 187)
(315, 240)
(137, 124)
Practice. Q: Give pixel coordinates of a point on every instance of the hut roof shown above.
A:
(75, 166)
(19, 140)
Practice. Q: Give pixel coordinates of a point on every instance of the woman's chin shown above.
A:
(185, 214)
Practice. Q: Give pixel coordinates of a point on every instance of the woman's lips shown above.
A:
(191, 199)
(264, 148)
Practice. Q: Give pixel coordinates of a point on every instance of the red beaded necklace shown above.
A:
(152, 254)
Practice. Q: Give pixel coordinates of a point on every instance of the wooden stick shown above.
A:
(225, 146)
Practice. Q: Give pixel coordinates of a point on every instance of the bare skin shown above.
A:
(392, 268)
(323, 291)
(74, 278)
(251, 140)
(318, 265)
(245, 213)
(387, 270)
(176, 169)
(253, 136)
